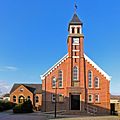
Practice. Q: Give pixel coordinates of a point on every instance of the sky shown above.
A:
(33, 37)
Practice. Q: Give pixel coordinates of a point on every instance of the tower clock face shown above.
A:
(75, 40)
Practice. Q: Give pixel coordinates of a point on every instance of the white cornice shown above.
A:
(97, 67)
(54, 66)
(86, 58)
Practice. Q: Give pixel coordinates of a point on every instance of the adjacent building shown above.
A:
(21, 92)
(76, 82)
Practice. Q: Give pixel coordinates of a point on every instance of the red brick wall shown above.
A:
(66, 67)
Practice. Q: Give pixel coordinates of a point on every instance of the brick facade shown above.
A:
(76, 89)
(20, 92)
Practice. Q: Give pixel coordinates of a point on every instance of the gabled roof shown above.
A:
(75, 20)
(6, 95)
(37, 88)
(86, 58)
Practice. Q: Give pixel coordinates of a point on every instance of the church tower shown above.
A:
(76, 51)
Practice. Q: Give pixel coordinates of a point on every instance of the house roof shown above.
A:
(75, 20)
(6, 95)
(37, 88)
(115, 97)
(86, 58)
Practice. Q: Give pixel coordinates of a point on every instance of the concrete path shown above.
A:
(8, 115)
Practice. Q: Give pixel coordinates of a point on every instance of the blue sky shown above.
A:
(33, 36)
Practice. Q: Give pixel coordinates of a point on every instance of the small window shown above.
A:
(28, 97)
(75, 47)
(21, 89)
(75, 73)
(90, 79)
(36, 99)
(61, 98)
(53, 97)
(96, 98)
(14, 98)
(78, 30)
(53, 82)
(73, 30)
(90, 98)
(75, 53)
(96, 82)
(60, 78)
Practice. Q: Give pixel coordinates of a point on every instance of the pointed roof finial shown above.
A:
(75, 7)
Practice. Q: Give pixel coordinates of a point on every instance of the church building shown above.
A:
(75, 82)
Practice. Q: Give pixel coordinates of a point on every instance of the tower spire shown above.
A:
(75, 6)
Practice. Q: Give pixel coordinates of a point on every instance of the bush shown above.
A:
(6, 105)
(26, 107)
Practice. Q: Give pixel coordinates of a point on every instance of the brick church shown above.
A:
(75, 82)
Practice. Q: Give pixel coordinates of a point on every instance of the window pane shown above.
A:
(89, 79)
(75, 73)
(53, 82)
(96, 82)
(96, 98)
(60, 78)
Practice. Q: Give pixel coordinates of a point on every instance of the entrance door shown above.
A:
(75, 102)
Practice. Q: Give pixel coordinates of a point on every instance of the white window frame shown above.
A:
(53, 84)
(62, 96)
(98, 97)
(36, 99)
(89, 79)
(53, 97)
(59, 79)
(76, 75)
(14, 98)
(95, 82)
(91, 98)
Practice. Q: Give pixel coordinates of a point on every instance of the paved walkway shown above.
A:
(8, 115)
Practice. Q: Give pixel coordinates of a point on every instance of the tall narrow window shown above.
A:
(90, 79)
(14, 98)
(96, 82)
(78, 30)
(73, 30)
(36, 99)
(53, 82)
(90, 98)
(61, 98)
(60, 78)
(75, 73)
(96, 98)
(53, 97)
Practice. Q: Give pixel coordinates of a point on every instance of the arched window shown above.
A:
(60, 78)
(21, 99)
(96, 82)
(89, 79)
(28, 97)
(75, 73)
(53, 82)
(14, 98)
(36, 99)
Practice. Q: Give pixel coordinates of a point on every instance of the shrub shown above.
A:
(26, 107)
(6, 105)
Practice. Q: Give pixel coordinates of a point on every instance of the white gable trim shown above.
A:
(54, 66)
(86, 58)
(97, 67)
